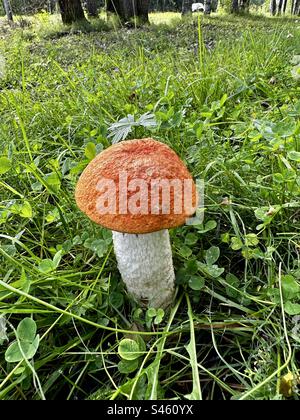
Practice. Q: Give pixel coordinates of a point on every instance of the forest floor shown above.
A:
(225, 95)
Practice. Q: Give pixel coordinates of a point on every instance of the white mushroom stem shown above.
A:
(146, 266)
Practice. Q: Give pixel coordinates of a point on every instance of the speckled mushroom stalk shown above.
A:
(146, 265)
(140, 232)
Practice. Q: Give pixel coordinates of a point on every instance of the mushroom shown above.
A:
(139, 189)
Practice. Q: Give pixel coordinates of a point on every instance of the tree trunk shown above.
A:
(214, 5)
(207, 7)
(110, 7)
(51, 6)
(8, 10)
(279, 7)
(142, 11)
(187, 7)
(245, 6)
(129, 9)
(284, 4)
(71, 11)
(296, 8)
(273, 7)
(235, 6)
(92, 8)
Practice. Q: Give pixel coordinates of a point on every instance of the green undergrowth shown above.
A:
(224, 94)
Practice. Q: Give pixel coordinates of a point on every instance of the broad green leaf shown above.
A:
(27, 330)
(232, 280)
(290, 287)
(5, 165)
(11, 250)
(209, 225)
(196, 282)
(151, 312)
(90, 150)
(293, 155)
(249, 253)
(185, 251)
(99, 246)
(26, 210)
(182, 276)
(53, 182)
(128, 366)
(212, 255)
(292, 308)
(116, 299)
(57, 259)
(225, 237)
(191, 267)
(93, 132)
(13, 354)
(191, 239)
(46, 266)
(251, 239)
(214, 271)
(159, 316)
(129, 349)
(236, 243)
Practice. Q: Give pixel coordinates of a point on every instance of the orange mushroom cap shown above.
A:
(148, 161)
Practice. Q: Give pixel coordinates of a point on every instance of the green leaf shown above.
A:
(151, 312)
(116, 299)
(129, 349)
(290, 287)
(251, 239)
(128, 366)
(53, 182)
(214, 271)
(57, 259)
(99, 246)
(26, 210)
(147, 120)
(90, 150)
(14, 354)
(182, 277)
(5, 165)
(196, 282)
(225, 237)
(160, 313)
(293, 155)
(27, 330)
(232, 280)
(236, 243)
(120, 130)
(209, 225)
(93, 132)
(191, 239)
(292, 308)
(46, 266)
(212, 255)
(185, 251)
(191, 267)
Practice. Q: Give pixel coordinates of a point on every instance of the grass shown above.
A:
(225, 100)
